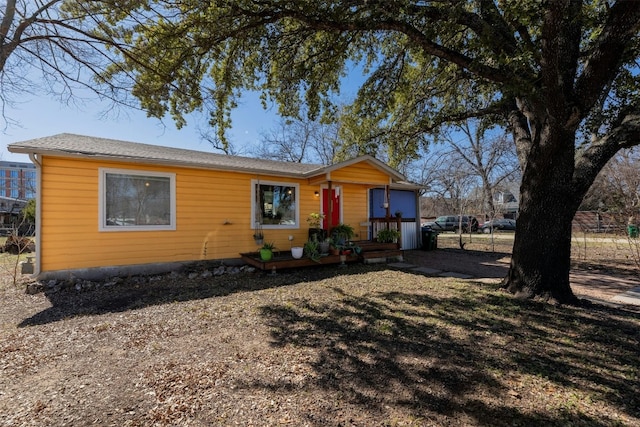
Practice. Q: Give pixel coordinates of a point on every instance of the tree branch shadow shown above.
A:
(433, 356)
(137, 292)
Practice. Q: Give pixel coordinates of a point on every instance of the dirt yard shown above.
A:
(367, 345)
(603, 267)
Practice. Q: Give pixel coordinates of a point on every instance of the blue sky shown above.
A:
(44, 116)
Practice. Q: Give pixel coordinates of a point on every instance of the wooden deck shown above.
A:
(371, 252)
(285, 260)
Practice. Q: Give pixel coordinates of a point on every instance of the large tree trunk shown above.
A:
(540, 263)
(541, 257)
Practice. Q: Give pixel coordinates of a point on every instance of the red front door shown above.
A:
(334, 209)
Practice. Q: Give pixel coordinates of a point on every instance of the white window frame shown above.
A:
(254, 210)
(103, 200)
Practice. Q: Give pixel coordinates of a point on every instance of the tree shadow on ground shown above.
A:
(457, 359)
(617, 269)
(475, 263)
(141, 291)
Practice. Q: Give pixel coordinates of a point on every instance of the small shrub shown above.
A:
(388, 235)
(16, 245)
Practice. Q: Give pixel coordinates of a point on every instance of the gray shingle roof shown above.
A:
(71, 145)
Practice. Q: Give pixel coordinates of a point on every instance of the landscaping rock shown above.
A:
(74, 283)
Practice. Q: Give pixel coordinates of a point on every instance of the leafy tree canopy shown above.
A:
(428, 63)
(29, 211)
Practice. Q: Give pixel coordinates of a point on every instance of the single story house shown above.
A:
(108, 207)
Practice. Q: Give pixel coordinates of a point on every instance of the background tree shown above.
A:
(29, 211)
(386, 138)
(49, 47)
(491, 161)
(616, 190)
(299, 140)
(451, 184)
(559, 73)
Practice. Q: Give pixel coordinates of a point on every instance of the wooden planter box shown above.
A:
(285, 260)
(377, 246)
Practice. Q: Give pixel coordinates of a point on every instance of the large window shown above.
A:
(132, 200)
(275, 205)
(14, 184)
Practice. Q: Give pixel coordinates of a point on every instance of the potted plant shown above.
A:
(266, 252)
(325, 246)
(312, 250)
(351, 249)
(315, 226)
(390, 235)
(335, 246)
(357, 250)
(342, 233)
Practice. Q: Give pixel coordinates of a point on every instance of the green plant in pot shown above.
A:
(266, 252)
(315, 219)
(335, 246)
(357, 250)
(351, 249)
(342, 233)
(325, 245)
(390, 235)
(315, 226)
(312, 250)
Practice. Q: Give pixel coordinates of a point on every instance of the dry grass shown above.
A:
(361, 346)
(10, 270)
(604, 250)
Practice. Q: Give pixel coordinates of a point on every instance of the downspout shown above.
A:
(37, 162)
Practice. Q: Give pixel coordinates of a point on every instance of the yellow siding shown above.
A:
(355, 209)
(213, 211)
(362, 172)
(213, 216)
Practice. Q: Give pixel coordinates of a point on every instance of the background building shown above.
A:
(17, 186)
(17, 180)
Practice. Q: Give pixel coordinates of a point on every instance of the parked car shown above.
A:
(452, 222)
(498, 224)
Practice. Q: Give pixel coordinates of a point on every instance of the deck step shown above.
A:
(371, 252)
(368, 246)
(381, 256)
(285, 260)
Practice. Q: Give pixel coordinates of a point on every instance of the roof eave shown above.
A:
(150, 161)
(394, 174)
(405, 185)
